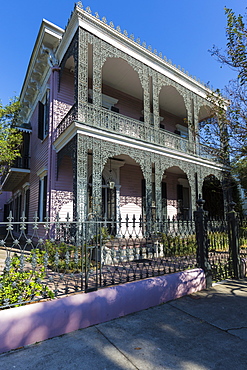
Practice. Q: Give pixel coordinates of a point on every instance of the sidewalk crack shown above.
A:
(207, 322)
(116, 347)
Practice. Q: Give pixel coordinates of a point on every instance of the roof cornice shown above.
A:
(129, 45)
(49, 36)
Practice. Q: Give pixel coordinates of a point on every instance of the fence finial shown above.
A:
(200, 202)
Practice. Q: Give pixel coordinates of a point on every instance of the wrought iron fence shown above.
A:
(64, 257)
(243, 245)
(218, 252)
(42, 260)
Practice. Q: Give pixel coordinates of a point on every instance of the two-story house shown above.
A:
(110, 127)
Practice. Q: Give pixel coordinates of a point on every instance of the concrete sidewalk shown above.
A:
(206, 330)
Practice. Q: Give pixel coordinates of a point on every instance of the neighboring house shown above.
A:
(109, 128)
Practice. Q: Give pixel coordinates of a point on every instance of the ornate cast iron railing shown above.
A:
(99, 117)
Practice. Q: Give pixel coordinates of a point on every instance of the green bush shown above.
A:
(179, 245)
(243, 237)
(18, 286)
(62, 257)
(218, 241)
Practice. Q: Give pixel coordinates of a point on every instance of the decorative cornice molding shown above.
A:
(135, 41)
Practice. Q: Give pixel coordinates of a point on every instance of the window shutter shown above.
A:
(41, 121)
(39, 199)
(46, 118)
(27, 200)
(44, 197)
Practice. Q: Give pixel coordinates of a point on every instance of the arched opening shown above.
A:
(208, 128)
(63, 195)
(212, 193)
(173, 114)
(66, 91)
(175, 190)
(108, 209)
(121, 88)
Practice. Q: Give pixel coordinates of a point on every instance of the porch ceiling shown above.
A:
(13, 178)
(126, 159)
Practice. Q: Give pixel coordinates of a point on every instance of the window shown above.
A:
(17, 209)
(42, 198)
(183, 201)
(26, 202)
(43, 116)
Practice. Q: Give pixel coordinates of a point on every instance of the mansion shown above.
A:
(110, 128)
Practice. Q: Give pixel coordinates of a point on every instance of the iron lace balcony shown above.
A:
(104, 119)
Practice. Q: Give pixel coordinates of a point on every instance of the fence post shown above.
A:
(200, 217)
(233, 240)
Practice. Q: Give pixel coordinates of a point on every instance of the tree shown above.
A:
(10, 137)
(235, 56)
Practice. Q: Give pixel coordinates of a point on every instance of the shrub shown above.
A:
(17, 286)
(61, 257)
(179, 245)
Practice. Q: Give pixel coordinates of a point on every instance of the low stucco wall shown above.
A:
(28, 324)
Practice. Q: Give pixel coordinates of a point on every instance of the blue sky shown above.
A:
(183, 30)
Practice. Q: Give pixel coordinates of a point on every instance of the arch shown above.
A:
(108, 51)
(108, 150)
(205, 112)
(176, 193)
(66, 82)
(172, 101)
(173, 112)
(212, 193)
(121, 88)
(127, 196)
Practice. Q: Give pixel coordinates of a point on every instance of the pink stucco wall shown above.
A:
(24, 325)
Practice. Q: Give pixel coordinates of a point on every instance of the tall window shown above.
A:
(26, 199)
(26, 203)
(42, 198)
(183, 202)
(43, 116)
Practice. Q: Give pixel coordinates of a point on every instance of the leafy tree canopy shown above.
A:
(10, 137)
(235, 56)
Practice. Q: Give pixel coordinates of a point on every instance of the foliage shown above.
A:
(179, 245)
(243, 234)
(213, 131)
(10, 138)
(236, 53)
(19, 285)
(62, 257)
(235, 57)
(218, 241)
